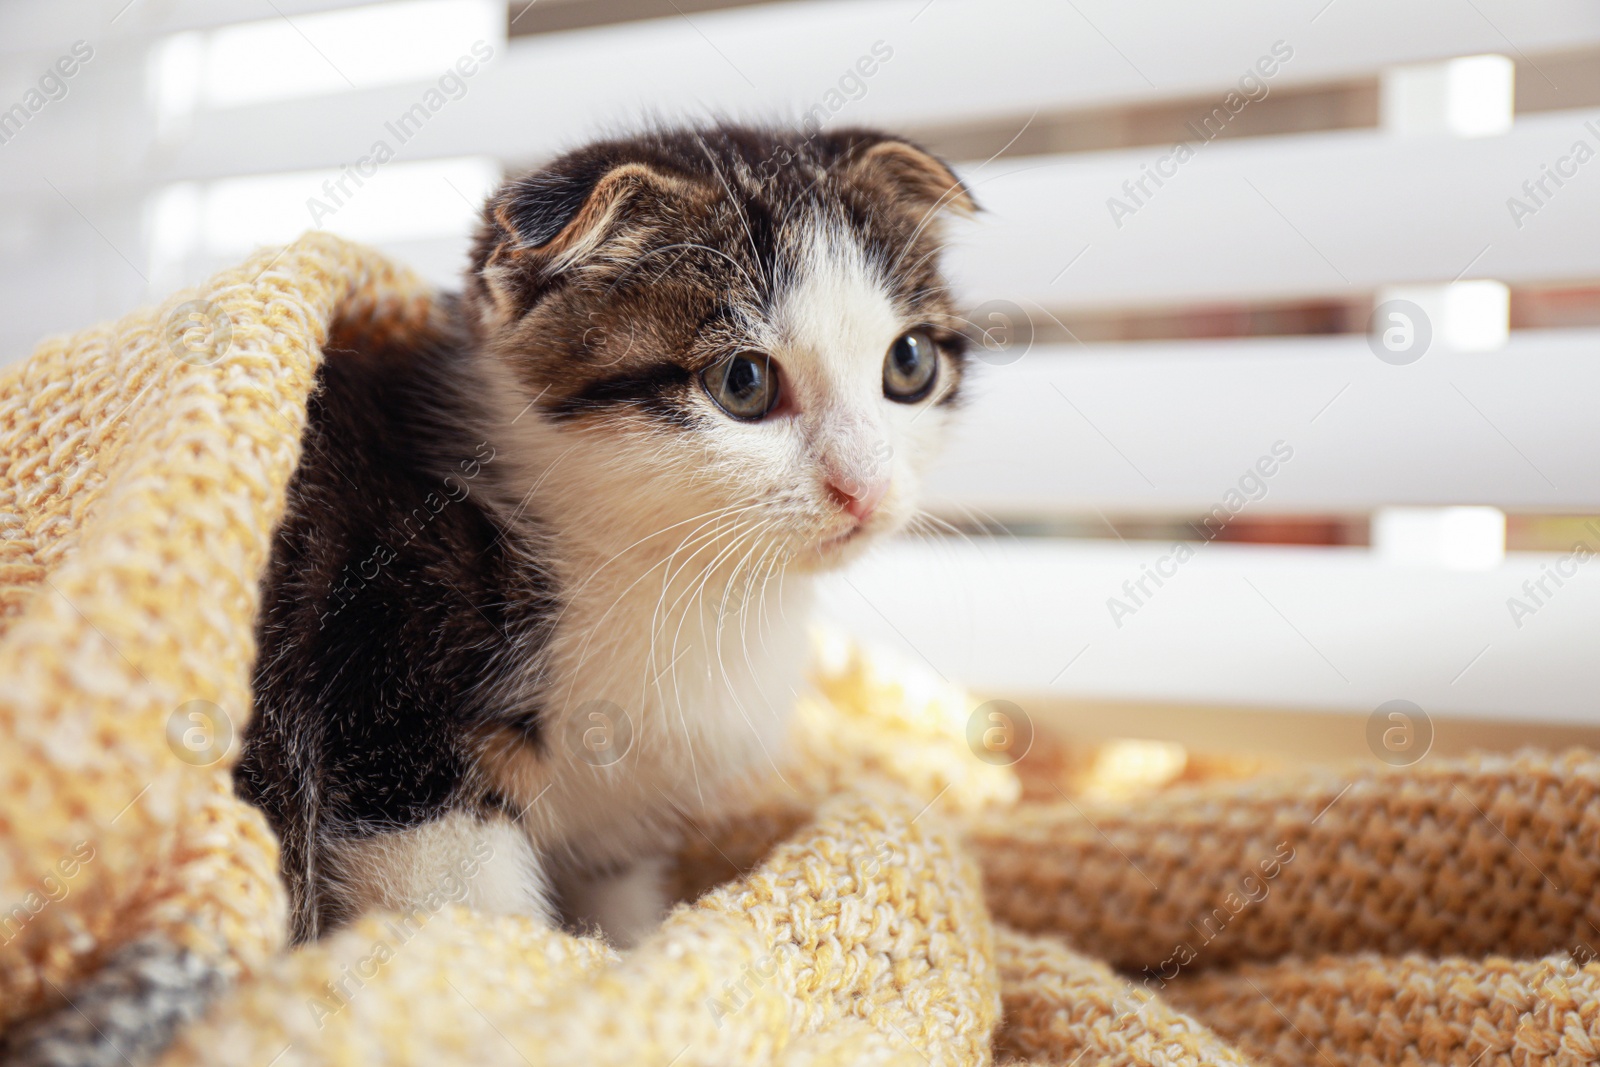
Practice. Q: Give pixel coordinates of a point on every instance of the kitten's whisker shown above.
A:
(587, 648)
(699, 542)
(933, 520)
(744, 637)
(751, 537)
(769, 558)
(705, 574)
(704, 577)
(986, 519)
(730, 531)
(709, 517)
(666, 584)
(773, 559)
(658, 533)
(697, 585)
(694, 536)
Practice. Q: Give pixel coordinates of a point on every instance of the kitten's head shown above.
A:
(728, 332)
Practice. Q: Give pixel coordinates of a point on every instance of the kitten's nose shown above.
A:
(860, 496)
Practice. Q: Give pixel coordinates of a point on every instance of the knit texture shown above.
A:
(892, 899)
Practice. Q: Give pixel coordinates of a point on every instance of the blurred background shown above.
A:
(1285, 433)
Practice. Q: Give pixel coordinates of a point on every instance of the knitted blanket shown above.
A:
(892, 900)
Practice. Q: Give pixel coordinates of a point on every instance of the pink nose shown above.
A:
(860, 497)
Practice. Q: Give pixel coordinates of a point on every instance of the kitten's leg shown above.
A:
(459, 858)
(626, 904)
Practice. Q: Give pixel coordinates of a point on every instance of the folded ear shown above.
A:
(541, 224)
(915, 175)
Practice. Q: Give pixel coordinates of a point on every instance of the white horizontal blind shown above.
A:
(1234, 625)
(1169, 427)
(109, 196)
(1309, 215)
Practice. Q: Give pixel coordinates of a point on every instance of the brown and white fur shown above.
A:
(595, 629)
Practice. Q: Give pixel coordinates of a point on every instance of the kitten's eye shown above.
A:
(911, 367)
(745, 385)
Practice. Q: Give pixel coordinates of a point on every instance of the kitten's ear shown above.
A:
(924, 181)
(546, 222)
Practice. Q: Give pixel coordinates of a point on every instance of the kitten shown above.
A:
(541, 589)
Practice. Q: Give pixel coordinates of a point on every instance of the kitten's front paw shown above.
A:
(627, 906)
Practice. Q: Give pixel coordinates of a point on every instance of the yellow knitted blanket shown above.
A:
(893, 901)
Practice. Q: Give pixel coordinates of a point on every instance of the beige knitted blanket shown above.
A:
(893, 900)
